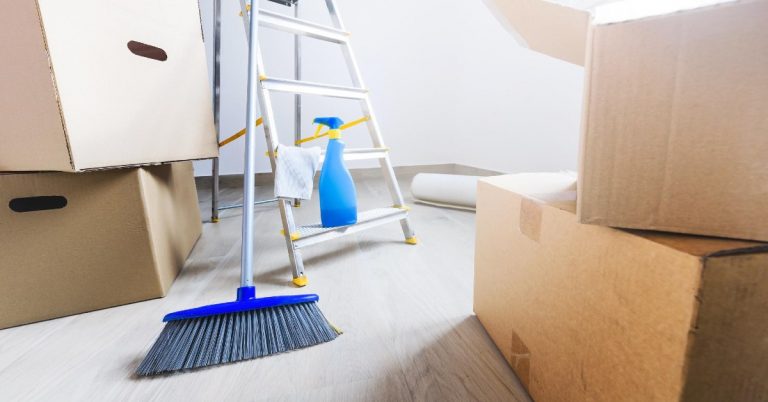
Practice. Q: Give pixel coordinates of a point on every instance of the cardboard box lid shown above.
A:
(559, 190)
(559, 28)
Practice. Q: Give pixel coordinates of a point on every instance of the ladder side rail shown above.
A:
(286, 212)
(215, 179)
(297, 98)
(373, 124)
(270, 132)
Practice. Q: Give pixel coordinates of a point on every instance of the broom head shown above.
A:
(241, 330)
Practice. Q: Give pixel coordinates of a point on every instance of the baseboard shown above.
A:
(264, 179)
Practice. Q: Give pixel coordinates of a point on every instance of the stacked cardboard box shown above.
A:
(673, 140)
(108, 93)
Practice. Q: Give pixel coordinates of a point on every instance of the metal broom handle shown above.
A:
(249, 180)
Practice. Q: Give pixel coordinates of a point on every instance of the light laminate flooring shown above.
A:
(410, 334)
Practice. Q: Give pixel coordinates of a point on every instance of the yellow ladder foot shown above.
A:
(294, 236)
(301, 281)
(412, 240)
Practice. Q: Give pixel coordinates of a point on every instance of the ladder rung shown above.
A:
(313, 234)
(301, 27)
(358, 154)
(311, 88)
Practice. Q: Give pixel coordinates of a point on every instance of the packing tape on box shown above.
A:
(520, 360)
(530, 219)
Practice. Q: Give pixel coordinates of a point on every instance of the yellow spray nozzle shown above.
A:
(334, 133)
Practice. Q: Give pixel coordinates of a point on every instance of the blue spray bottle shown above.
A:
(338, 197)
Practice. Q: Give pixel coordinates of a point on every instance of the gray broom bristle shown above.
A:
(226, 338)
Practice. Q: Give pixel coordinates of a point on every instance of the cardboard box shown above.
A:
(79, 242)
(591, 313)
(674, 125)
(88, 84)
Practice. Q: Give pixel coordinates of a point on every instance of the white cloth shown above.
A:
(295, 171)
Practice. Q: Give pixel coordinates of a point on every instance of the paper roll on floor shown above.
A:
(457, 191)
(445, 190)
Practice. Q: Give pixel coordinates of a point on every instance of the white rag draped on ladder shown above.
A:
(295, 171)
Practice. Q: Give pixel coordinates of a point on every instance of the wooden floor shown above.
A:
(410, 334)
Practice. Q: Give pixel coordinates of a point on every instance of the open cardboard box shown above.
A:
(90, 84)
(591, 313)
(73, 243)
(676, 98)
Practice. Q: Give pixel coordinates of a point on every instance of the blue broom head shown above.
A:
(247, 328)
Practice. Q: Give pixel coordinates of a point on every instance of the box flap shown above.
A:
(555, 28)
(559, 28)
(28, 99)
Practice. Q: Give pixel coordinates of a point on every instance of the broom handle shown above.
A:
(249, 180)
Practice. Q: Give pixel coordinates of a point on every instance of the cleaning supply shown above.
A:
(295, 172)
(338, 197)
(248, 327)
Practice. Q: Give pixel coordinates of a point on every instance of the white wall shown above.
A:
(449, 85)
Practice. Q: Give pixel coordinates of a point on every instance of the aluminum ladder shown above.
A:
(300, 236)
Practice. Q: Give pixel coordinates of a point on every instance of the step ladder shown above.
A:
(300, 236)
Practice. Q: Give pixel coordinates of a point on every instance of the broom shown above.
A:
(249, 327)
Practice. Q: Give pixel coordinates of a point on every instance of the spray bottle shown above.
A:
(338, 197)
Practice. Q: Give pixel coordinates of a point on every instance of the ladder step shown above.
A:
(316, 233)
(359, 154)
(296, 26)
(311, 88)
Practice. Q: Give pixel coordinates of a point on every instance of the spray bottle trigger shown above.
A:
(333, 123)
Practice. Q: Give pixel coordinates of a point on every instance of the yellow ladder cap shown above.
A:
(301, 281)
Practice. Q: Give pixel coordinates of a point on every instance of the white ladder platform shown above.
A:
(359, 154)
(312, 234)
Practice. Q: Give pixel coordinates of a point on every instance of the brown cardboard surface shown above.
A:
(114, 107)
(29, 112)
(730, 349)
(99, 250)
(590, 313)
(675, 122)
(172, 214)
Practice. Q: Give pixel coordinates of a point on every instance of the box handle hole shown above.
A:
(148, 51)
(42, 203)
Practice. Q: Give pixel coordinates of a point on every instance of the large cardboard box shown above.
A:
(676, 99)
(73, 243)
(87, 84)
(591, 313)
